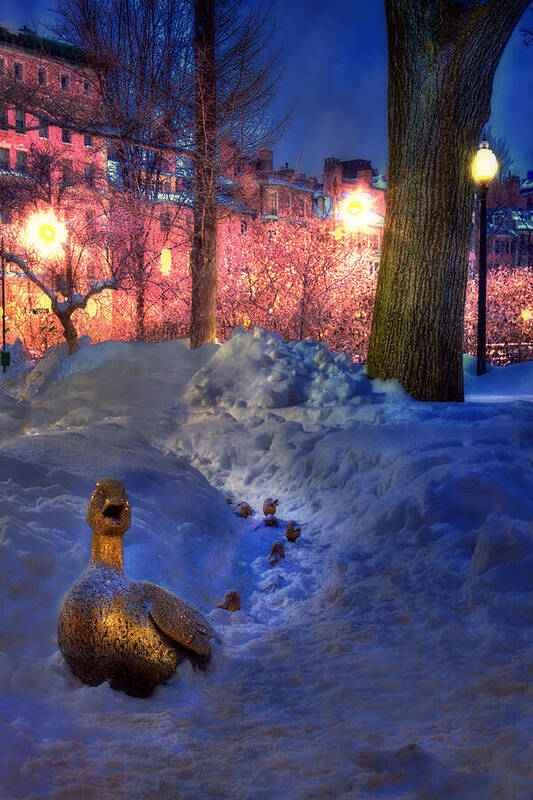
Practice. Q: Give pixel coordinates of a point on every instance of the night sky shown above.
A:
(336, 75)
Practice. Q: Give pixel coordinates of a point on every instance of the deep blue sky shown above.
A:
(336, 74)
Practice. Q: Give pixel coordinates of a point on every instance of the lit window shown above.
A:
(65, 82)
(166, 261)
(20, 121)
(18, 71)
(65, 135)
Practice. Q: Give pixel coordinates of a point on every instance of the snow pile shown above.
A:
(258, 369)
(388, 655)
(32, 376)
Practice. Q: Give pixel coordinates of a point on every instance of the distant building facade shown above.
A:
(510, 221)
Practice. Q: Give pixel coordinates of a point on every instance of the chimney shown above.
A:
(266, 159)
(332, 177)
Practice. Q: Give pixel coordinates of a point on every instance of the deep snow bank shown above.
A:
(388, 655)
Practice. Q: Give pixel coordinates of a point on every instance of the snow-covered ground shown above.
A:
(389, 655)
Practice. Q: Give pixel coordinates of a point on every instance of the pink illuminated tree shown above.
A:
(299, 280)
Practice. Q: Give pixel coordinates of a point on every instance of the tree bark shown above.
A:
(140, 306)
(442, 59)
(69, 332)
(203, 253)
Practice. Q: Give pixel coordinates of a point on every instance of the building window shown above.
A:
(17, 70)
(41, 77)
(43, 130)
(165, 223)
(45, 166)
(68, 175)
(89, 174)
(64, 82)
(85, 87)
(65, 135)
(272, 205)
(2, 67)
(21, 162)
(4, 157)
(20, 121)
(87, 140)
(3, 118)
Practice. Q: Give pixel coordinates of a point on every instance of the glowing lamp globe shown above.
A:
(485, 164)
(526, 314)
(355, 210)
(46, 234)
(354, 207)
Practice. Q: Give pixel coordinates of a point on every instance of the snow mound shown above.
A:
(388, 655)
(258, 369)
(34, 376)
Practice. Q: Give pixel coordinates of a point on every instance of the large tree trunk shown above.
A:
(203, 253)
(442, 59)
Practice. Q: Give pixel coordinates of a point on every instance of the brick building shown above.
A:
(510, 221)
(42, 79)
(38, 71)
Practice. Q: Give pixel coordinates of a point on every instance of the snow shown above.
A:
(388, 655)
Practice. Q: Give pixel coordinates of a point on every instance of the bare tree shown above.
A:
(178, 77)
(236, 72)
(442, 58)
(81, 265)
(137, 52)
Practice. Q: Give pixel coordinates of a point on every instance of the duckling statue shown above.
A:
(133, 634)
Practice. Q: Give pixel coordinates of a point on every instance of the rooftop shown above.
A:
(26, 39)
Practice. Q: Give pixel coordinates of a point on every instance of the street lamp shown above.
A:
(45, 233)
(5, 356)
(356, 211)
(484, 168)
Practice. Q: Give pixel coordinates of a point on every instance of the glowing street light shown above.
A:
(355, 210)
(526, 314)
(46, 234)
(484, 168)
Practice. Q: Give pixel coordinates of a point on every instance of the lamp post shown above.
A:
(5, 356)
(484, 168)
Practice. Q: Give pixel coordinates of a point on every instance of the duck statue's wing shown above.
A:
(177, 620)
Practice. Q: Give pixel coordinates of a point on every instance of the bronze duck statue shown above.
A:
(132, 633)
